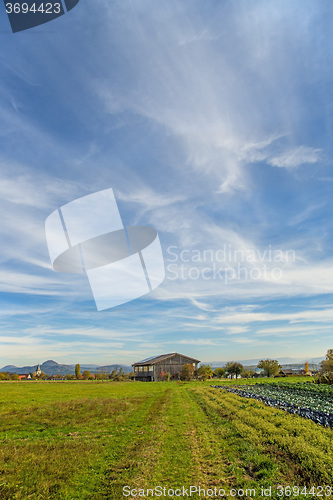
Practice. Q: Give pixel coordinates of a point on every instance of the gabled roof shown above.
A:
(156, 359)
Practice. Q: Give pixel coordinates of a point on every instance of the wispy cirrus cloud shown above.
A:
(199, 117)
(294, 157)
(315, 315)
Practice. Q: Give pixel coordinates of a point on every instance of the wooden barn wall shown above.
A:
(171, 365)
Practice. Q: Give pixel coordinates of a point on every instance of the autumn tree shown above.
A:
(248, 373)
(234, 368)
(271, 367)
(306, 368)
(121, 375)
(326, 366)
(118, 375)
(77, 371)
(187, 372)
(205, 372)
(86, 374)
(219, 372)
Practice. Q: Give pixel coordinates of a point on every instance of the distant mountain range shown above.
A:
(53, 368)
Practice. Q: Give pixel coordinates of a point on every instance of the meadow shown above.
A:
(87, 440)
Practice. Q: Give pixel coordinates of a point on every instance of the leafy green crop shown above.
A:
(306, 399)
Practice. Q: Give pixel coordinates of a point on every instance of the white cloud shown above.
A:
(276, 152)
(315, 315)
(233, 330)
(287, 331)
(200, 341)
(221, 101)
(22, 187)
(294, 157)
(148, 199)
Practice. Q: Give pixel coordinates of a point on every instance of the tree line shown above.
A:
(270, 367)
(115, 375)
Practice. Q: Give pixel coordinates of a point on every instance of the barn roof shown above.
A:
(156, 359)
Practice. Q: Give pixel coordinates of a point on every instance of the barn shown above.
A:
(153, 369)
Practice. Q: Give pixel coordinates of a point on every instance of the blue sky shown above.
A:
(212, 122)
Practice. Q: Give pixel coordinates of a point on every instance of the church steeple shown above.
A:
(38, 370)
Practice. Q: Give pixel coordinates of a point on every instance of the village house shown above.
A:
(154, 368)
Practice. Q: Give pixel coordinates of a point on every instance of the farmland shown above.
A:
(307, 400)
(87, 440)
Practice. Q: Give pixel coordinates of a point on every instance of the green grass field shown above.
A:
(87, 440)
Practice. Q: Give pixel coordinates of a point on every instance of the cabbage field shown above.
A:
(305, 399)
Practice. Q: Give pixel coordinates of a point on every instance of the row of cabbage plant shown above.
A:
(314, 404)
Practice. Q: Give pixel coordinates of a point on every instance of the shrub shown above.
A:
(324, 378)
